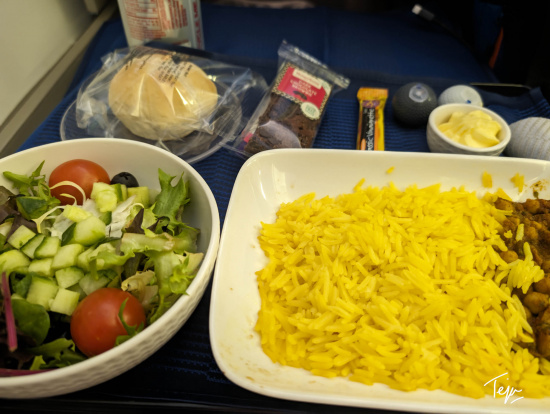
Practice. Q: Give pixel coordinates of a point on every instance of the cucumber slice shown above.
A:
(5, 228)
(89, 231)
(20, 237)
(67, 256)
(68, 276)
(100, 187)
(65, 302)
(90, 284)
(121, 191)
(32, 245)
(75, 213)
(105, 197)
(48, 247)
(141, 195)
(106, 201)
(13, 260)
(42, 267)
(76, 288)
(42, 290)
(83, 259)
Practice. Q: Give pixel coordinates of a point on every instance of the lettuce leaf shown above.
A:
(58, 353)
(171, 200)
(31, 319)
(34, 197)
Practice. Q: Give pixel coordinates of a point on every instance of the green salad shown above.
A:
(87, 261)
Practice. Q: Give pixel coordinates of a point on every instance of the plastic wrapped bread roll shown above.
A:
(158, 98)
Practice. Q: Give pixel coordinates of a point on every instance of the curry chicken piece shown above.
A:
(543, 285)
(535, 217)
(536, 302)
(542, 333)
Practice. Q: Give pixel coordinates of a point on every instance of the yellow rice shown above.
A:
(519, 181)
(402, 288)
(486, 180)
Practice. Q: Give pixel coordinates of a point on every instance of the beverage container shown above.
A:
(172, 21)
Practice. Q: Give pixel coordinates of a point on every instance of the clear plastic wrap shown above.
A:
(291, 112)
(188, 104)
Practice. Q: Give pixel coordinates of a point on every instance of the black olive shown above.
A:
(125, 178)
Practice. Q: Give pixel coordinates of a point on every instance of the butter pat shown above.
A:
(474, 129)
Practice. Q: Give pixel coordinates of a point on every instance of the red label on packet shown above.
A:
(247, 137)
(304, 89)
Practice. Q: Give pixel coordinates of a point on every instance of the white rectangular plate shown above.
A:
(273, 177)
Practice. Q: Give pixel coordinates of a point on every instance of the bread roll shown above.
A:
(158, 99)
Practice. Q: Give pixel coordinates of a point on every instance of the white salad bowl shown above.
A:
(143, 161)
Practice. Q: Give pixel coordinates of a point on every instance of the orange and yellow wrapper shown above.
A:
(370, 133)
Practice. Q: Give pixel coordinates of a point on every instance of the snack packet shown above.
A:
(183, 102)
(289, 114)
(370, 131)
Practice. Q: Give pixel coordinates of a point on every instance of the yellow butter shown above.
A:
(474, 129)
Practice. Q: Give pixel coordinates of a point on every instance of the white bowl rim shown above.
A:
(151, 330)
(507, 133)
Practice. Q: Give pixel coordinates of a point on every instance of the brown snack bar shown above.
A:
(286, 122)
(289, 116)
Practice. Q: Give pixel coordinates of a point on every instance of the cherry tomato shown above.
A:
(95, 323)
(83, 173)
